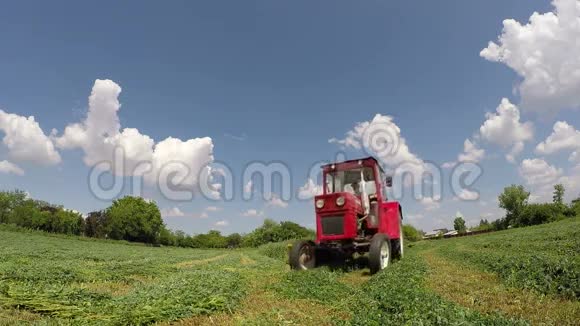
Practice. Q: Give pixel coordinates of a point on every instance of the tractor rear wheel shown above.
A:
(379, 253)
(398, 245)
(302, 255)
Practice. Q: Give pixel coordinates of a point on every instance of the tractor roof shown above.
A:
(349, 164)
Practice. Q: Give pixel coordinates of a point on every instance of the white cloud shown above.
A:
(429, 203)
(26, 141)
(546, 54)
(538, 172)
(252, 213)
(574, 157)
(222, 223)
(309, 190)
(448, 165)
(471, 153)
(467, 195)
(505, 129)
(8, 167)
(172, 212)
(100, 134)
(413, 217)
(564, 137)
(212, 209)
(276, 201)
(248, 187)
(382, 138)
(541, 178)
(203, 215)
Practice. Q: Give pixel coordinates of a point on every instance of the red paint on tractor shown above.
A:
(353, 215)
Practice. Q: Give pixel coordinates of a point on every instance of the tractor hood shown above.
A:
(338, 201)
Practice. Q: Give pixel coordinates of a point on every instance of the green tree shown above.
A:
(558, 197)
(8, 201)
(459, 224)
(513, 199)
(167, 238)
(96, 224)
(134, 219)
(575, 206)
(234, 240)
(272, 231)
(483, 225)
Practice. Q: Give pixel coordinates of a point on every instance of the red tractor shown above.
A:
(353, 216)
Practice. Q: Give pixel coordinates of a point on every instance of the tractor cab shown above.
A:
(353, 211)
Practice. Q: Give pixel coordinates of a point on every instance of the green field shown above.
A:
(519, 276)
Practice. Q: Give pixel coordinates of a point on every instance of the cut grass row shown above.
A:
(67, 281)
(543, 258)
(394, 297)
(55, 280)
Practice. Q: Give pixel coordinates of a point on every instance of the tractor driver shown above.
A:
(356, 188)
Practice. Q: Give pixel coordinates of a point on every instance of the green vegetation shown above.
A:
(271, 231)
(411, 233)
(133, 219)
(501, 278)
(459, 224)
(514, 199)
(543, 258)
(88, 281)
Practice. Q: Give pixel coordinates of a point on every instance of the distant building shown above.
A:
(435, 233)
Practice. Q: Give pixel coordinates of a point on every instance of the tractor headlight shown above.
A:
(340, 201)
(320, 203)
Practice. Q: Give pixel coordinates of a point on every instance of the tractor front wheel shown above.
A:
(302, 255)
(379, 253)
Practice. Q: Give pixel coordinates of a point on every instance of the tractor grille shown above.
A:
(332, 225)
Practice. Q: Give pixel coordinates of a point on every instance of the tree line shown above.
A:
(520, 212)
(132, 219)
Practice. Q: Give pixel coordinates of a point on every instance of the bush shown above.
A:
(276, 250)
(134, 219)
(534, 214)
(271, 231)
(411, 234)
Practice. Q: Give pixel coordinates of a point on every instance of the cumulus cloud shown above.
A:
(252, 213)
(212, 209)
(467, 195)
(471, 153)
(448, 165)
(309, 190)
(26, 141)
(382, 138)
(222, 223)
(102, 140)
(504, 128)
(545, 53)
(172, 212)
(538, 172)
(429, 203)
(9, 167)
(541, 177)
(564, 137)
(276, 201)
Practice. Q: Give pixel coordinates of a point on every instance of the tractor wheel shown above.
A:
(398, 245)
(302, 255)
(379, 253)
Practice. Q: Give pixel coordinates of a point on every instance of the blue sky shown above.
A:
(274, 81)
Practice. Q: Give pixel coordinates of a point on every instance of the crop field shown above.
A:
(520, 276)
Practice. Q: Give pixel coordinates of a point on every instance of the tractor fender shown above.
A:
(391, 216)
